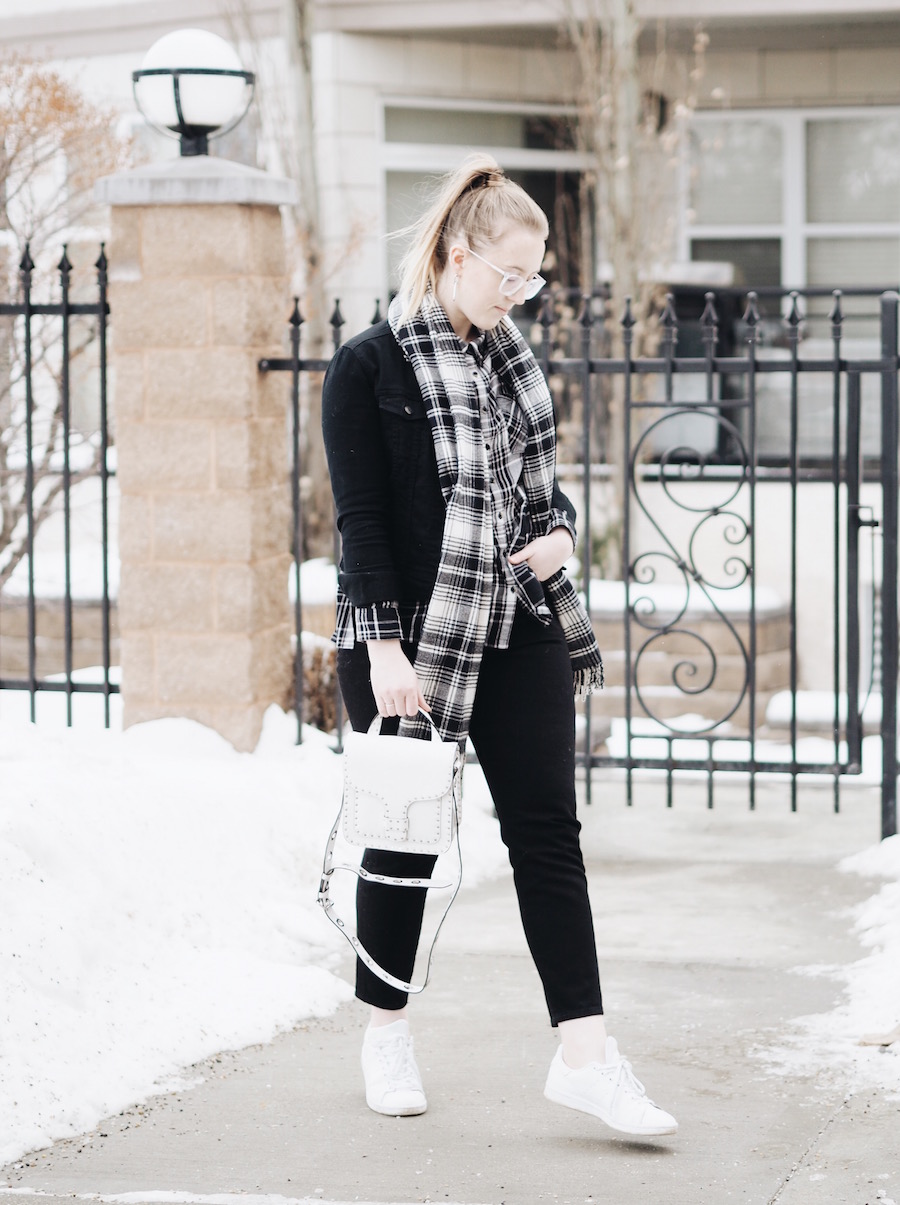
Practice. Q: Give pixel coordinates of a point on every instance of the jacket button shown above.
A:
(407, 409)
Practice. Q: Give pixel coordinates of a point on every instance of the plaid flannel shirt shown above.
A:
(391, 621)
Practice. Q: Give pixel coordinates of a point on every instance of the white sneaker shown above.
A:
(393, 1083)
(610, 1091)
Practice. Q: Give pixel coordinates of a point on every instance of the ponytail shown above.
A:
(473, 205)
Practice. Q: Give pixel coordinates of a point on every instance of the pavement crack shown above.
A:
(814, 1142)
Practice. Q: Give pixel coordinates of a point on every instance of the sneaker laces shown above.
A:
(629, 1082)
(396, 1058)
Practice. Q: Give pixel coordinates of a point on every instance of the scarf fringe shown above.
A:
(587, 681)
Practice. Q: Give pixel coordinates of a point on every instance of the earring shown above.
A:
(455, 286)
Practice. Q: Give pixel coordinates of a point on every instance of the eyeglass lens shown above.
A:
(510, 285)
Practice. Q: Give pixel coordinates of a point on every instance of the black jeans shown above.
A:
(523, 730)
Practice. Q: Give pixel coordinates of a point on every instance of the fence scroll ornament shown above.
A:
(700, 585)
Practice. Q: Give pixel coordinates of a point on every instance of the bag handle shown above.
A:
(329, 866)
(376, 725)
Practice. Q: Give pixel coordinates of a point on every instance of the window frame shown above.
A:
(428, 158)
(794, 231)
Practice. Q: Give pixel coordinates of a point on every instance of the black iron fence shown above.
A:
(735, 445)
(43, 459)
(699, 656)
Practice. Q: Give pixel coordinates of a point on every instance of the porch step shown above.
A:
(715, 646)
(667, 703)
(773, 632)
(657, 669)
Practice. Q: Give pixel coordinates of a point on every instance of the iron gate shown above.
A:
(690, 544)
(677, 703)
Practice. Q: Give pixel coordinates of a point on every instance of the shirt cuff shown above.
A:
(379, 621)
(559, 518)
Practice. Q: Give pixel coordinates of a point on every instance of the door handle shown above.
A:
(861, 522)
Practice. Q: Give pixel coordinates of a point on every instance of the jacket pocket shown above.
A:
(407, 407)
(412, 472)
(406, 433)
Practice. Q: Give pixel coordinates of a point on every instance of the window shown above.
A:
(736, 175)
(799, 198)
(408, 193)
(853, 170)
(477, 128)
(534, 143)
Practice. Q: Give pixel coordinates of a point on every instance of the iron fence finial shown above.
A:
(709, 317)
(668, 320)
(64, 267)
(26, 263)
(794, 318)
(296, 318)
(376, 317)
(102, 264)
(751, 315)
(586, 317)
(836, 315)
(709, 324)
(337, 323)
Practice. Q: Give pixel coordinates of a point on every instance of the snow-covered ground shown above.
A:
(157, 895)
(871, 1005)
(157, 904)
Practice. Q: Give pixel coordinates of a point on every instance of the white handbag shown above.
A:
(400, 794)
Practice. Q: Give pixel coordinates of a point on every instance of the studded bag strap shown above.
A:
(329, 866)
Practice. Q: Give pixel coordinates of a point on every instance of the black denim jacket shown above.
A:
(390, 509)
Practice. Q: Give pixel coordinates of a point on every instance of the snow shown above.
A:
(609, 598)
(157, 904)
(649, 739)
(815, 708)
(318, 582)
(871, 1003)
(158, 1197)
(86, 544)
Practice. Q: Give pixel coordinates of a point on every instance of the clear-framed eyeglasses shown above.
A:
(512, 283)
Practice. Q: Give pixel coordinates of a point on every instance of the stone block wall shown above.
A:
(198, 295)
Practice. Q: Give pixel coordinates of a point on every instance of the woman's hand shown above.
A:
(547, 554)
(395, 683)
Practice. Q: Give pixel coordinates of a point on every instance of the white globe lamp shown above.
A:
(192, 86)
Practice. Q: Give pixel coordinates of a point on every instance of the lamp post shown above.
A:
(192, 86)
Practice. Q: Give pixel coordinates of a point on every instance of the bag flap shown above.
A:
(415, 768)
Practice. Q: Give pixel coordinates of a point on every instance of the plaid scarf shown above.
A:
(456, 621)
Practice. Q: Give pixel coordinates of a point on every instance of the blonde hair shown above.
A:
(474, 203)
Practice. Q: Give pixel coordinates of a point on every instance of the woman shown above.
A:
(441, 446)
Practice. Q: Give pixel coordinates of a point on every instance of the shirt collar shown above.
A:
(477, 348)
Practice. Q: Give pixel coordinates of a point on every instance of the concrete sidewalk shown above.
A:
(702, 919)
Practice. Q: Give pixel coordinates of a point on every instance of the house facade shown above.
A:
(791, 169)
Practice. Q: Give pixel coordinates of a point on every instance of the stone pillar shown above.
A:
(197, 295)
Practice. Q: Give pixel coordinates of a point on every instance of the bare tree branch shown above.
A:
(53, 144)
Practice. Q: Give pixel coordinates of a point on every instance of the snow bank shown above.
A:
(871, 1004)
(157, 904)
